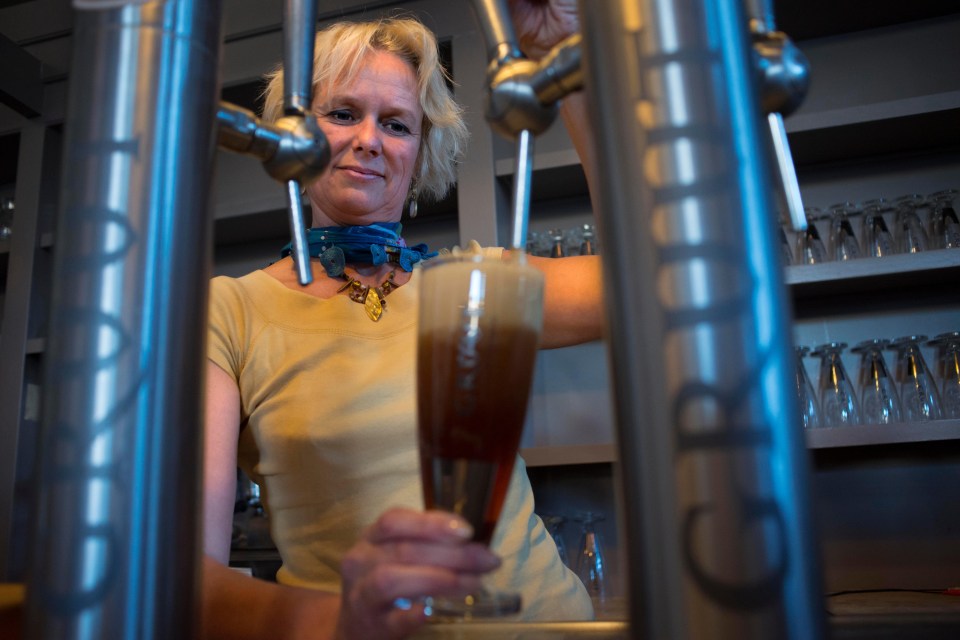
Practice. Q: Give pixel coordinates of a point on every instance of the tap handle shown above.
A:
(787, 171)
(298, 233)
(522, 180)
(299, 32)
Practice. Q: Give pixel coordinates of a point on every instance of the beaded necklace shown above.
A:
(373, 299)
(374, 244)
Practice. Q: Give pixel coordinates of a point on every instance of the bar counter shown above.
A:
(883, 615)
(921, 627)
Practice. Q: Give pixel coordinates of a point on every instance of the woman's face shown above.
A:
(373, 125)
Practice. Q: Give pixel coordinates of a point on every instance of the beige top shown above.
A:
(328, 431)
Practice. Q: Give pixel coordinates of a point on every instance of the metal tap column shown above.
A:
(712, 458)
(117, 549)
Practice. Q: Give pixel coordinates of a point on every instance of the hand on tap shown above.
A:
(542, 24)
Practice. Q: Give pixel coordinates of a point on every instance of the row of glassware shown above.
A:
(558, 243)
(912, 393)
(875, 228)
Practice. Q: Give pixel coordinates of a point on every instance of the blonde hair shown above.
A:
(339, 51)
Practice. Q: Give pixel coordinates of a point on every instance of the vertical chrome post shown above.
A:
(117, 547)
(712, 458)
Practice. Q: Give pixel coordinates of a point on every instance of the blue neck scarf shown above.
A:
(372, 244)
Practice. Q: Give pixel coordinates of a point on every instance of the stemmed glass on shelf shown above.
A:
(878, 242)
(879, 400)
(918, 392)
(810, 247)
(590, 565)
(911, 233)
(948, 369)
(944, 224)
(809, 411)
(843, 241)
(838, 400)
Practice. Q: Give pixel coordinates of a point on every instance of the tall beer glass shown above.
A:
(480, 322)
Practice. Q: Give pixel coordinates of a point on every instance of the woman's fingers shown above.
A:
(437, 526)
(406, 555)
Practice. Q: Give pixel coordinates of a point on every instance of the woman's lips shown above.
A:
(362, 173)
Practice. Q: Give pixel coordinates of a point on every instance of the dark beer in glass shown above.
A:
(479, 326)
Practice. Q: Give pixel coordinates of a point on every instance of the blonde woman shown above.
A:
(313, 393)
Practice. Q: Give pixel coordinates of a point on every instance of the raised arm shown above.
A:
(573, 297)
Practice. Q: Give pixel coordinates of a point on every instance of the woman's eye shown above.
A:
(396, 127)
(340, 116)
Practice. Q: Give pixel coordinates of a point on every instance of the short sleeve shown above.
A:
(226, 325)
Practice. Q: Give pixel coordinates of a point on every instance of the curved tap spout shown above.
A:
(512, 103)
(784, 71)
(560, 72)
(292, 148)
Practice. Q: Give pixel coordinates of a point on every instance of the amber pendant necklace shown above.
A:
(373, 299)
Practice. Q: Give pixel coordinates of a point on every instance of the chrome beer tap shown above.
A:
(713, 467)
(522, 95)
(115, 555)
(784, 80)
(293, 149)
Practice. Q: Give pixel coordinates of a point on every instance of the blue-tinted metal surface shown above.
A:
(713, 465)
(117, 554)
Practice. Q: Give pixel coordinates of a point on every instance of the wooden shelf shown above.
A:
(879, 434)
(823, 18)
(926, 133)
(569, 454)
(869, 274)
(948, 101)
(839, 437)
(36, 346)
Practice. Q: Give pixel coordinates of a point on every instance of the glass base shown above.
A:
(480, 605)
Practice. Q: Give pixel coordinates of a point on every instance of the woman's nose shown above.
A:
(367, 136)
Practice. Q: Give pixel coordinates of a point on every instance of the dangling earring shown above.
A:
(412, 208)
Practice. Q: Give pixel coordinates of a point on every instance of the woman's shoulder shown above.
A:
(247, 282)
(234, 293)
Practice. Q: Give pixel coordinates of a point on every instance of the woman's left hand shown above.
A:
(542, 24)
(406, 555)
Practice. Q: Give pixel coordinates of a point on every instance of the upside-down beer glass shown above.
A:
(479, 326)
(879, 400)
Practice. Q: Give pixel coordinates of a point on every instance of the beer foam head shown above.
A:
(500, 292)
